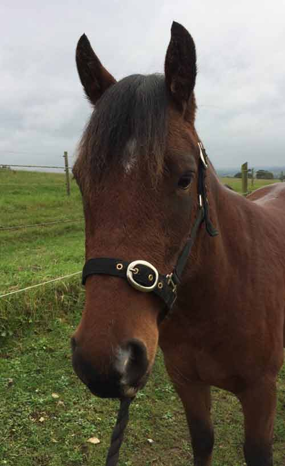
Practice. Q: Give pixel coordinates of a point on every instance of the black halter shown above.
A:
(142, 275)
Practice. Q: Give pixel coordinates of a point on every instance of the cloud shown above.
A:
(240, 85)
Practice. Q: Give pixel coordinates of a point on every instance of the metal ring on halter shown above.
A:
(131, 271)
(202, 156)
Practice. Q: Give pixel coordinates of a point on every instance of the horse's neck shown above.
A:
(217, 264)
(231, 215)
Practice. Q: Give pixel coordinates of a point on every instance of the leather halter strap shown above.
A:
(142, 275)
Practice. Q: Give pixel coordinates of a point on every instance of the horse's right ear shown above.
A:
(180, 65)
(94, 77)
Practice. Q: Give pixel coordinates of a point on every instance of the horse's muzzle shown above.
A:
(126, 374)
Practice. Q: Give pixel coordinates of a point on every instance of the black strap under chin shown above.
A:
(144, 277)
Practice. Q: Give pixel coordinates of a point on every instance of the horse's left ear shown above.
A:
(180, 65)
(94, 77)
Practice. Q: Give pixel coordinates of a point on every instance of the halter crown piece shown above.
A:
(144, 277)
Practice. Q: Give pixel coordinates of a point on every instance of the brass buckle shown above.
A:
(171, 283)
(133, 270)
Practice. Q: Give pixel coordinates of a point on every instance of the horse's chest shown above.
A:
(198, 354)
(210, 355)
(210, 367)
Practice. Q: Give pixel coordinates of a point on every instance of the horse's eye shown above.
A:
(185, 181)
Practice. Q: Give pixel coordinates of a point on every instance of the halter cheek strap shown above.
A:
(142, 275)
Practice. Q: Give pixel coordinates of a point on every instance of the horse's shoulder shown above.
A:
(273, 193)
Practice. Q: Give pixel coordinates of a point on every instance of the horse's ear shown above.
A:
(94, 77)
(180, 65)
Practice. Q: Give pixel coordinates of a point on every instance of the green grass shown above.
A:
(235, 183)
(34, 255)
(37, 429)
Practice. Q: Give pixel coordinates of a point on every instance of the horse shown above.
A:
(174, 258)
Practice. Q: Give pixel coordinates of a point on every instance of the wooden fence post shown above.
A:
(281, 176)
(65, 156)
(252, 177)
(244, 173)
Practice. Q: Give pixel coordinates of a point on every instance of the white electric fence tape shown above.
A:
(39, 284)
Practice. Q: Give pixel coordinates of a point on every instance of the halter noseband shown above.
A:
(142, 275)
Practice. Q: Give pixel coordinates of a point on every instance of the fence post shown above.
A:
(244, 172)
(65, 156)
(281, 176)
(252, 177)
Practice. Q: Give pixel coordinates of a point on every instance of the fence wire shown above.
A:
(39, 284)
(35, 225)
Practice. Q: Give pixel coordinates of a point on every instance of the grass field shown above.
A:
(34, 255)
(47, 415)
(235, 183)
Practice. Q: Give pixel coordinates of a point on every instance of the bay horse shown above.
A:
(173, 257)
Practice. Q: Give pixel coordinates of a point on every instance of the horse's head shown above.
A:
(137, 171)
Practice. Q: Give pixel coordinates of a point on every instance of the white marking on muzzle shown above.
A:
(130, 392)
(122, 358)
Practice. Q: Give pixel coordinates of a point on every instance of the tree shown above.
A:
(264, 175)
(238, 175)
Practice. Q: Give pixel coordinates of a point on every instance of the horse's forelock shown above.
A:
(128, 123)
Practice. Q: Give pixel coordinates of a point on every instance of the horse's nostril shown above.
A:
(133, 362)
(105, 385)
(124, 375)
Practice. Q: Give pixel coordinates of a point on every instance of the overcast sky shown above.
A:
(240, 86)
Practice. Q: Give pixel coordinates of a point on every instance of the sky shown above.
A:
(240, 87)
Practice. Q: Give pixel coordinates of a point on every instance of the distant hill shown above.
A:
(232, 171)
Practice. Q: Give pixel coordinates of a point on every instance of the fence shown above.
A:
(9, 293)
(65, 168)
(36, 225)
(244, 176)
(39, 284)
(245, 171)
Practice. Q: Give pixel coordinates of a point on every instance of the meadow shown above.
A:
(46, 415)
